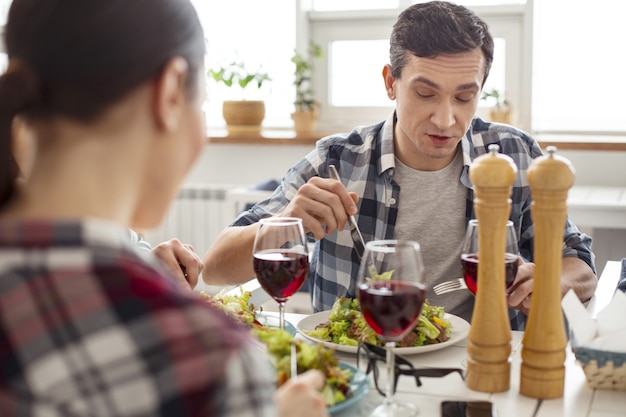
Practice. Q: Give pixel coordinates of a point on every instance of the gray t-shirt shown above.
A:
(431, 211)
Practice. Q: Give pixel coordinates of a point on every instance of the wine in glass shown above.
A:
(281, 260)
(391, 292)
(470, 256)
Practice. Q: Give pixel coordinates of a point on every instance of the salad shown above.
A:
(346, 326)
(237, 306)
(278, 344)
(309, 356)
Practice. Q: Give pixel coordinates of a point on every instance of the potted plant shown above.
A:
(241, 115)
(500, 110)
(306, 111)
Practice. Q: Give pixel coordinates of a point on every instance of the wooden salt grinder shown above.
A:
(543, 352)
(489, 339)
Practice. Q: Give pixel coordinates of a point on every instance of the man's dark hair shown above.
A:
(430, 29)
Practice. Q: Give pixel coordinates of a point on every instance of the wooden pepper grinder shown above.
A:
(489, 339)
(543, 352)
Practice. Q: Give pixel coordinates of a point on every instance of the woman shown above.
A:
(113, 92)
(179, 258)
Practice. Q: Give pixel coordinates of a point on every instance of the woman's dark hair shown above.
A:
(430, 29)
(75, 58)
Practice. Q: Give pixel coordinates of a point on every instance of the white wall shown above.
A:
(242, 164)
(607, 168)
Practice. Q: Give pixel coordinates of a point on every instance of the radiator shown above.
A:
(197, 215)
(201, 211)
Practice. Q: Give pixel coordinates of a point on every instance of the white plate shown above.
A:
(460, 329)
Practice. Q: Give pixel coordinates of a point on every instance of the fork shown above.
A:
(449, 286)
(357, 237)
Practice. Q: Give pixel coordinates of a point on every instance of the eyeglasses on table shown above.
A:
(368, 356)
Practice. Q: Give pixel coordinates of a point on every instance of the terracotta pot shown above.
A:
(243, 115)
(305, 121)
(500, 115)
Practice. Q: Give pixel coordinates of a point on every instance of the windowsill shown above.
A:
(588, 142)
(265, 137)
(289, 137)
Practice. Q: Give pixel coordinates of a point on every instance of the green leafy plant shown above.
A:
(498, 98)
(236, 74)
(303, 71)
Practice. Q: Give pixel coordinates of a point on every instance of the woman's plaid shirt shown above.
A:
(89, 328)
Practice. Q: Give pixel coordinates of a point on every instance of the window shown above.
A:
(329, 5)
(347, 30)
(579, 67)
(559, 61)
(262, 35)
(348, 87)
(4, 11)
(349, 82)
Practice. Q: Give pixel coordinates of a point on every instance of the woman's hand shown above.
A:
(301, 397)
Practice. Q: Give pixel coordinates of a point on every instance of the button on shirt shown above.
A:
(93, 327)
(365, 161)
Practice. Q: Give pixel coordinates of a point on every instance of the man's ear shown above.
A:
(170, 94)
(389, 82)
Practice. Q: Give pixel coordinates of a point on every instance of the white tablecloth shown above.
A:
(578, 399)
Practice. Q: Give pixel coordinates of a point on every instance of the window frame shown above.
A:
(511, 22)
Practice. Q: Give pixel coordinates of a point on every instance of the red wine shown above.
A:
(391, 308)
(281, 272)
(469, 261)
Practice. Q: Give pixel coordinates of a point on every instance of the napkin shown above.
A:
(607, 332)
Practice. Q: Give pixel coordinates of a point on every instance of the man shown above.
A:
(407, 177)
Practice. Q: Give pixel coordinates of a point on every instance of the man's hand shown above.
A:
(323, 204)
(575, 274)
(521, 291)
(181, 260)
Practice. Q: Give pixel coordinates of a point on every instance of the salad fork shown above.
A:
(449, 286)
(357, 237)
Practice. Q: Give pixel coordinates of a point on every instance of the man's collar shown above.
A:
(387, 157)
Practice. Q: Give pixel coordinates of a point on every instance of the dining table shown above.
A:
(578, 400)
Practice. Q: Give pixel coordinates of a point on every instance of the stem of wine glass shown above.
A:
(281, 314)
(391, 365)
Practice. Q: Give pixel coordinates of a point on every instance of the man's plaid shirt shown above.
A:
(91, 326)
(366, 164)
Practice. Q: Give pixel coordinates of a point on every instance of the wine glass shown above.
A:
(469, 256)
(391, 292)
(281, 260)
